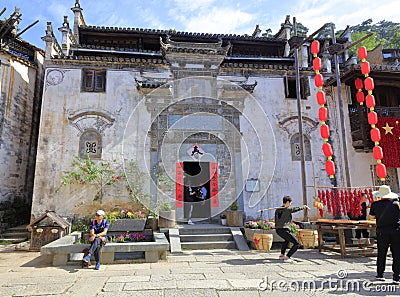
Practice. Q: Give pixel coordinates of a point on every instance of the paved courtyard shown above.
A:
(222, 273)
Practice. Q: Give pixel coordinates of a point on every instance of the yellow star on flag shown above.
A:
(388, 129)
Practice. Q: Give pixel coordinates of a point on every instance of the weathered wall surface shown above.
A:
(67, 113)
(19, 110)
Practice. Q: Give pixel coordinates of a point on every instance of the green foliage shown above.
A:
(82, 225)
(136, 180)
(384, 32)
(166, 206)
(124, 214)
(234, 205)
(88, 172)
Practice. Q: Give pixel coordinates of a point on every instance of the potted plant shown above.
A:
(223, 219)
(166, 217)
(152, 221)
(234, 216)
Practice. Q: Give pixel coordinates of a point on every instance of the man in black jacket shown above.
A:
(283, 218)
(386, 210)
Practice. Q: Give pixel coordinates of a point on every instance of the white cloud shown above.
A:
(219, 20)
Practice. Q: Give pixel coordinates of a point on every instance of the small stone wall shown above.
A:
(58, 252)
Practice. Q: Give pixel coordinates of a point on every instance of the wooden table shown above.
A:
(337, 227)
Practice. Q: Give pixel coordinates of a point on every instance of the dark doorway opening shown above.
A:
(198, 174)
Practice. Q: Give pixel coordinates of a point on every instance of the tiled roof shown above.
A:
(180, 34)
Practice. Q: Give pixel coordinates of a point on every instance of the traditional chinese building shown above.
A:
(21, 77)
(217, 109)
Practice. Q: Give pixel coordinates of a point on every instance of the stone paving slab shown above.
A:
(220, 273)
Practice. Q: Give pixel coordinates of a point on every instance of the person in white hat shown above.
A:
(386, 210)
(98, 236)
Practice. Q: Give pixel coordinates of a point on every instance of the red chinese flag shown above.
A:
(390, 140)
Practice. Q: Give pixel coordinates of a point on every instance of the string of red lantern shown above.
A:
(372, 115)
(323, 111)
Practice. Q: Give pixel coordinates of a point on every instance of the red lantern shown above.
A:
(323, 114)
(317, 64)
(325, 133)
(330, 167)
(319, 80)
(365, 68)
(370, 101)
(321, 98)
(359, 83)
(315, 47)
(327, 149)
(381, 171)
(369, 83)
(378, 153)
(372, 118)
(375, 135)
(362, 52)
(360, 97)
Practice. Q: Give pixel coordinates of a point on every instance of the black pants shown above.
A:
(288, 237)
(364, 232)
(386, 239)
(94, 249)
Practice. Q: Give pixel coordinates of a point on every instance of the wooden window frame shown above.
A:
(94, 80)
(290, 87)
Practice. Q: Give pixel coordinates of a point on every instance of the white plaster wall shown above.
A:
(59, 140)
(286, 175)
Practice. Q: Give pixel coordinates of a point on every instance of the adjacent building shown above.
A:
(21, 79)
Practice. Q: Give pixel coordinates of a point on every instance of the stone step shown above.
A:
(22, 228)
(15, 235)
(209, 245)
(13, 240)
(221, 230)
(205, 237)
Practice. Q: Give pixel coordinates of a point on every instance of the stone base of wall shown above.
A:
(14, 214)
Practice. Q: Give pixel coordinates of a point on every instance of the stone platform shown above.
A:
(59, 252)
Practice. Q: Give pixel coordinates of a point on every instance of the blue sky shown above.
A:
(203, 16)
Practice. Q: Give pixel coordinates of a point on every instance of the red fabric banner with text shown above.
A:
(390, 140)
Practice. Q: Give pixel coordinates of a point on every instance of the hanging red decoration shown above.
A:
(372, 116)
(375, 135)
(328, 201)
(323, 111)
(362, 52)
(381, 170)
(360, 97)
(369, 83)
(359, 84)
(321, 99)
(317, 64)
(315, 47)
(319, 80)
(323, 114)
(325, 133)
(327, 149)
(370, 101)
(378, 152)
(365, 68)
(330, 167)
